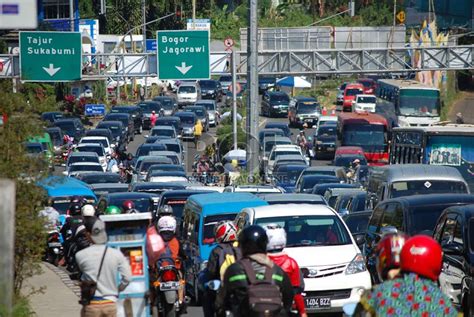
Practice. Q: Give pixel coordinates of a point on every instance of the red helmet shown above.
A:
(128, 205)
(388, 253)
(225, 231)
(422, 255)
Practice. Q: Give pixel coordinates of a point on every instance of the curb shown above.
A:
(64, 276)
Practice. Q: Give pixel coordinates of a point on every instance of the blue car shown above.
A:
(287, 175)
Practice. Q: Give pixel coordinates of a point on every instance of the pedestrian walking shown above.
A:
(153, 118)
(100, 266)
(142, 93)
(197, 132)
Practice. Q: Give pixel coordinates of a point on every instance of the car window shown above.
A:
(375, 219)
(209, 224)
(393, 216)
(457, 235)
(448, 231)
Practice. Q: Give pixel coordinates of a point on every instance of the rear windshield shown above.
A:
(78, 168)
(186, 90)
(279, 98)
(149, 107)
(163, 132)
(209, 224)
(353, 92)
(104, 142)
(207, 105)
(141, 204)
(100, 178)
(97, 149)
(85, 159)
(177, 205)
(279, 153)
(410, 188)
(366, 99)
(270, 144)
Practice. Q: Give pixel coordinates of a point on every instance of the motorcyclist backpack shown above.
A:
(264, 296)
(227, 257)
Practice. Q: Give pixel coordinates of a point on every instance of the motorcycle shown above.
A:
(166, 288)
(54, 249)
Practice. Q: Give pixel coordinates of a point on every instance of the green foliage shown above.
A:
(15, 164)
(449, 95)
(224, 24)
(21, 308)
(246, 178)
(225, 137)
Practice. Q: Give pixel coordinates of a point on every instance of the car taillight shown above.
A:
(168, 276)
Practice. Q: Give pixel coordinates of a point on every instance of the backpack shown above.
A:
(227, 257)
(264, 296)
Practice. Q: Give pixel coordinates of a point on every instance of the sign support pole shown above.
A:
(234, 99)
(7, 243)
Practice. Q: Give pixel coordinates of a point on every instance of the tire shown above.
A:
(169, 310)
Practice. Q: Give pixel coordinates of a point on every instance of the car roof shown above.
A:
(276, 124)
(300, 197)
(73, 154)
(278, 138)
(185, 114)
(108, 185)
(292, 210)
(319, 176)
(130, 195)
(116, 114)
(409, 172)
(163, 127)
(85, 163)
(289, 157)
(99, 173)
(433, 199)
(168, 118)
(284, 147)
(105, 130)
(324, 168)
(304, 98)
(328, 118)
(168, 173)
(205, 101)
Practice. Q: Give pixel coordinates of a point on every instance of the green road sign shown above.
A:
(183, 54)
(50, 56)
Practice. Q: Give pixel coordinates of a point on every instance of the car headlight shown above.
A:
(319, 142)
(357, 265)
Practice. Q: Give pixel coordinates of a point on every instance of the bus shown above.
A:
(367, 130)
(450, 144)
(407, 102)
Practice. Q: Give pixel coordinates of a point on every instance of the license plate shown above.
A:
(169, 286)
(54, 244)
(317, 302)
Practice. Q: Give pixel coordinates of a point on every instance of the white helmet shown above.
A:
(167, 223)
(276, 237)
(88, 210)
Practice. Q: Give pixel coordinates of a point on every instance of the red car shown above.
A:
(351, 91)
(349, 150)
(369, 85)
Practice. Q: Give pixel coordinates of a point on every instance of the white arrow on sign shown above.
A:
(183, 68)
(51, 70)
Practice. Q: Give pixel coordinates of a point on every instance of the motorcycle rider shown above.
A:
(173, 253)
(88, 214)
(415, 292)
(276, 243)
(301, 141)
(165, 210)
(225, 233)
(112, 210)
(233, 295)
(128, 207)
(388, 255)
(51, 215)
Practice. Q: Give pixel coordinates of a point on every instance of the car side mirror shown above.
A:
(359, 238)
(453, 248)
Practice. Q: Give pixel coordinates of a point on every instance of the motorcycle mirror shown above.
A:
(214, 285)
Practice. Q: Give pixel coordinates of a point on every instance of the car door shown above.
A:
(453, 244)
(372, 237)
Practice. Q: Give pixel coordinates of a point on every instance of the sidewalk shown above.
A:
(58, 300)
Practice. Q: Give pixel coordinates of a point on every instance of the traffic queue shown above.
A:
(390, 217)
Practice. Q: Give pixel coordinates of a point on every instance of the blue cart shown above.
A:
(127, 233)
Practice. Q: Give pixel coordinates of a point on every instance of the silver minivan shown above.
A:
(399, 180)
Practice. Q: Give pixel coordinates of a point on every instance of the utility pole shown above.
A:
(7, 244)
(71, 15)
(394, 12)
(252, 79)
(194, 14)
(144, 43)
(234, 99)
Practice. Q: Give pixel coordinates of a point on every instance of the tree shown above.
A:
(15, 164)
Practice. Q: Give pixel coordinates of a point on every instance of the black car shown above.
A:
(52, 116)
(127, 122)
(320, 189)
(275, 104)
(177, 199)
(136, 113)
(99, 178)
(211, 89)
(102, 132)
(324, 142)
(357, 222)
(144, 202)
(303, 110)
(174, 121)
(412, 215)
(279, 125)
(264, 83)
(357, 202)
(117, 129)
(147, 108)
(306, 183)
(72, 127)
(168, 104)
(225, 81)
(455, 233)
(101, 189)
(202, 114)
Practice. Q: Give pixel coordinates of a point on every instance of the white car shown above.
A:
(284, 149)
(78, 168)
(254, 189)
(97, 148)
(364, 103)
(333, 267)
(187, 94)
(101, 140)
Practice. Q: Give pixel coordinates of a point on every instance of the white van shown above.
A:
(318, 239)
(187, 94)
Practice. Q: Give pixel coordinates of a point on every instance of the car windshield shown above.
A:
(83, 159)
(67, 127)
(100, 178)
(176, 204)
(207, 105)
(366, 83)
(308, 107)
(120, 110)
(309, 182)
(357, 223)
(279, 98)
(98, 141)
(316, 172)
(89, 148)
(311, 230)
(115, 129)
(92, 168)
(370, 137)
(144, 166)
(187, 119)
(327, 131)
(353, 92)
(208, 84)
(423, 187)
(145, 150)
(175, 147)
(209, 224)
(225, 78)
(141, 204)
(187, 90)
(198, 112)
(166, 103)
(267, 135)
(289, 176)
(419, 102)
(162, 132)
(148, 107)
(34, 148)
(271, 143)
(366, 99)
(277, 153)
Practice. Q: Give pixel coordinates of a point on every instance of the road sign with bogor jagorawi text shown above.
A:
(50, 56)
(183, 55)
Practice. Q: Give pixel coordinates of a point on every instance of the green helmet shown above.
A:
(113, 210)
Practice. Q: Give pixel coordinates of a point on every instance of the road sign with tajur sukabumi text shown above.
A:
(50, 56)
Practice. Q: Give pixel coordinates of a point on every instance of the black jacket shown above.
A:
(217, 257)
(233, 294)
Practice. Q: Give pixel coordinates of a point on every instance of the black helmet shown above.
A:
(75, 209)
(253, 239)
(165, 210)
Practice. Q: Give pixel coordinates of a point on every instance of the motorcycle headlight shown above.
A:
(357, 265)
